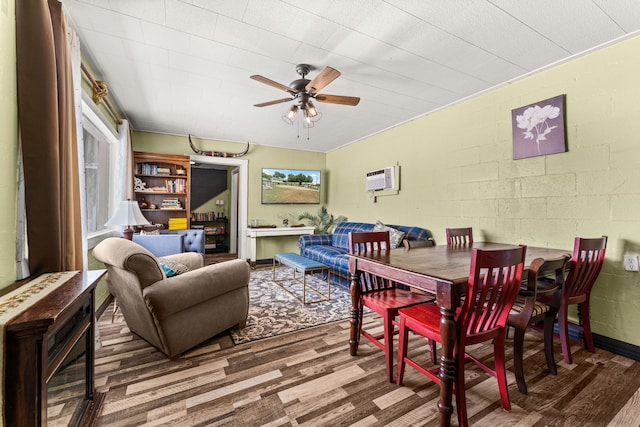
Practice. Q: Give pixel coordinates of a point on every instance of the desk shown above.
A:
(441, 270)
(254, 233)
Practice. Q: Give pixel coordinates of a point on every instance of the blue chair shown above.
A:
(170, 242)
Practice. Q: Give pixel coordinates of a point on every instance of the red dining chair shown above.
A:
(381, 295)
(584, 268)
(545, 279)
(459, 236)
(494, 282)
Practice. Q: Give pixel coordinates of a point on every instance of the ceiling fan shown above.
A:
(303, 91)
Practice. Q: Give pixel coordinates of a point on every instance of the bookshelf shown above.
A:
(215, 231)
(162, 186)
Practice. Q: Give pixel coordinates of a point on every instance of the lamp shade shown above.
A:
(127, 214)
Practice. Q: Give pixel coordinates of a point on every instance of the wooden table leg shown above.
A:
(447, 365)
(355, 315)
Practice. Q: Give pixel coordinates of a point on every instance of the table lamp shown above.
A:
(220, 204)
(127, 214)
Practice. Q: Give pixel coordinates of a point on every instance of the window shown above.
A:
(99, 155)
(96, 175)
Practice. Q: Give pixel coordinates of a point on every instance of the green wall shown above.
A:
(258, 157)
(457, 169)
(8, 146)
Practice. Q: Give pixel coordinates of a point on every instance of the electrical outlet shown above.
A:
(631, 262)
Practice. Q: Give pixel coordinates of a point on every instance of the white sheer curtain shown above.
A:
(22, 255)
(122, 167)
(76, 64)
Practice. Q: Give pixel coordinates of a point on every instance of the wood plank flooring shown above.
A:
(308, 378)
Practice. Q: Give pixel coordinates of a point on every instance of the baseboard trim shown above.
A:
(617, 347)
(611, 345)
(104, 305)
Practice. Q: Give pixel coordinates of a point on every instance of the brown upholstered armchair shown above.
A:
(174, 313)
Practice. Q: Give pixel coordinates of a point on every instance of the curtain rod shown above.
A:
(100, 93)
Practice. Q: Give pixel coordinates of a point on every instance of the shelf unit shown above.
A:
(215, 234)
(167, 189)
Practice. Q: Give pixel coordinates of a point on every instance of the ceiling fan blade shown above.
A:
(338, 99)
(271, 83)
(325, 77)
(277, 101)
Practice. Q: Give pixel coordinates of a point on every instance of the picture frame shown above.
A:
(290, 186)
(539, 128)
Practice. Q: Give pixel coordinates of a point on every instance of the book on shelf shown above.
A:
(178, 223)
(146, 169)
(171, 204)
(203, 216)
(176, 185)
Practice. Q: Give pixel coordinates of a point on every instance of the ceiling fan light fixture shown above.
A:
(290, 115)
(307, 116)
(307, 122)
(312, 109)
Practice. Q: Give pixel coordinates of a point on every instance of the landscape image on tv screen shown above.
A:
(290, 186)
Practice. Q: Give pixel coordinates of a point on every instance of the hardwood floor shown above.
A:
(215, 257)
(308, 378)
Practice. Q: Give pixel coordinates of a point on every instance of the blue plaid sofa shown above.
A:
(332, 249)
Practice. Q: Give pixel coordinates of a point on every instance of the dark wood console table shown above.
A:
(49, 358)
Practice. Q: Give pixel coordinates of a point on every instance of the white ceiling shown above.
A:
(183, 66)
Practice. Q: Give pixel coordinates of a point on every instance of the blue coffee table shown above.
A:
(304, 266)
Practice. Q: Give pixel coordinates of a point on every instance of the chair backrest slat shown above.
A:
(370, 242)
(585, 265)
(459, 236)
(494, 282)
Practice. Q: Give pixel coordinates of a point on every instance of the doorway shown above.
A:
(239, 195)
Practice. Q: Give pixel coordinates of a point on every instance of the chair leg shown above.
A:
(563, 331)
(461, 398)
(587, 337)
(549, 321)
(403, 338)
(360, 310)
(518, 366)
(115, 309)
(434, 354)
(388, 344)
(501, 372)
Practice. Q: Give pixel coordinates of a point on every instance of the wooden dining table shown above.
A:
(441, 270)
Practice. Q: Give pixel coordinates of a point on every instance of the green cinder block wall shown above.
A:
(457, 169)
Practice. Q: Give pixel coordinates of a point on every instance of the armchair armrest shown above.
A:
(177, 293)
(313, 239)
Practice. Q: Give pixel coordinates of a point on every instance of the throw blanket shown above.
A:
(18, 301)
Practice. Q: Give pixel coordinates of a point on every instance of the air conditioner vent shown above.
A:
(381, 179)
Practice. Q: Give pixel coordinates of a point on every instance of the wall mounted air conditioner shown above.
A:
(381, 179)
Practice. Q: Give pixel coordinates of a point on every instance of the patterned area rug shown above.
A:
(273, 311)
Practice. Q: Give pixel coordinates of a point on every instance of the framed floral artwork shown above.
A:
(539, 128)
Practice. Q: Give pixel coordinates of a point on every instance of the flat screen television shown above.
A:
(290, 186)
